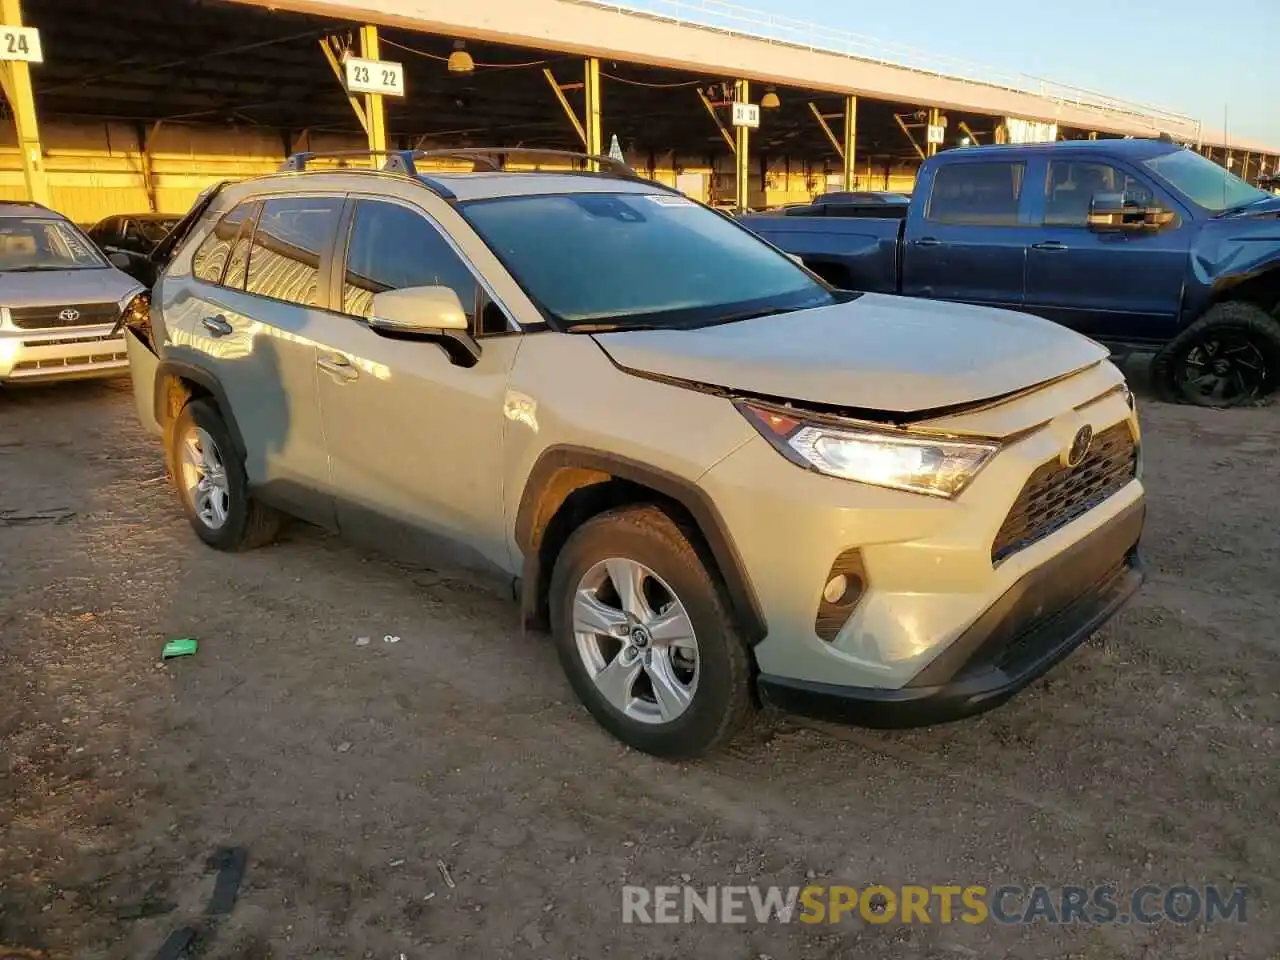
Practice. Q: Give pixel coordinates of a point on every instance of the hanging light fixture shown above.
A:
(770, 100)
(460, 61)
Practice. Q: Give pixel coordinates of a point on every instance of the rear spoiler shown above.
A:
(160, 256)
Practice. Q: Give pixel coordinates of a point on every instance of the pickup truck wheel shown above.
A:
(212, 484)
(645, 637)
(1229, 357)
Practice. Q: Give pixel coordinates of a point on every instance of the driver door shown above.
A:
(414, 441)
(1111, 285)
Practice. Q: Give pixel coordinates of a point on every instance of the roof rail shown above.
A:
(610, 164)
(396, 159)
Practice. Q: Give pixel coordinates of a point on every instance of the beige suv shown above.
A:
(715, 479)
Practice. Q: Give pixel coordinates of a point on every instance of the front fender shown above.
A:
(1235, 258)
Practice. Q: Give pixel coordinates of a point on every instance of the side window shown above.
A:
(288, 245)
(211, 256)
(393, 247)
(977, 194)
(238, 260)
(1070, 186)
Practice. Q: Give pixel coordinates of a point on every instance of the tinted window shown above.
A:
(639, 259)
(238, 261)
(982, 194)
(1071, 184)
(211, 255)
(393, 247)
(1206, 183)
(290, 240)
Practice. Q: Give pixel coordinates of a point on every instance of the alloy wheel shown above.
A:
(1222, 370)
(636, 641)
(204, 477)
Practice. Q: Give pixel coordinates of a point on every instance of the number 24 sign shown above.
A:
(375, 76)
(20, 43)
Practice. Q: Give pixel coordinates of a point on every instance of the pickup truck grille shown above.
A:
(1054, 495)
(67, 315)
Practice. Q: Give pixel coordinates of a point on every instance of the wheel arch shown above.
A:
(177, 383)
(568, 485)
(1260, 287)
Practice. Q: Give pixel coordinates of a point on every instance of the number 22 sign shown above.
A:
(20, 43)
(375, 76)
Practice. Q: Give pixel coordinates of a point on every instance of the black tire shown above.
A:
(722, 702)
(248, 523)
(1228, 358)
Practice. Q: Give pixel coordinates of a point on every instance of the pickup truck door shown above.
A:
(968, 232)
(1119, 286)
(415, 441)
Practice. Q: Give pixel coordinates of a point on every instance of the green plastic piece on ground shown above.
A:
(179, 648)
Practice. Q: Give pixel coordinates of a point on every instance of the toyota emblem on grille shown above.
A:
(69, 315)
(1075, 453)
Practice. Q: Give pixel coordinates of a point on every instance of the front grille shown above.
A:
(58, 362)
(44, 318)
(1054, 495)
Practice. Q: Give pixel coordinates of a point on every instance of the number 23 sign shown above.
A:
(375, 76)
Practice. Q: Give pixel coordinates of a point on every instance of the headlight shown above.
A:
(135, 313)
(935, 466)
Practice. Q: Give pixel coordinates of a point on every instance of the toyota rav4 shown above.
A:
(714, 478)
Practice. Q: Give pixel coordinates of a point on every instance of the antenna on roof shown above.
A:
(1226, 168)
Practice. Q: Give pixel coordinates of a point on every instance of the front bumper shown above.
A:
(1035, 624)
(72, 353)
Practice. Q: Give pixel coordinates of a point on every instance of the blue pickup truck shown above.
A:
(1139, 244)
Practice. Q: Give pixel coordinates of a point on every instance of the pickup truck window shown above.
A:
(1203, 181)
(634, 259)
(1071, 184)
(977, 194)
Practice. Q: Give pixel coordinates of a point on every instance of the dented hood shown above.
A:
(877, 352)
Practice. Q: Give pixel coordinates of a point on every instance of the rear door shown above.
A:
(414, 441)
(967, 237)
(1118, 285)
(250, 315)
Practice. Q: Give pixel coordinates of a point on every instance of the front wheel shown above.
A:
(645, 638)
(1227, 358)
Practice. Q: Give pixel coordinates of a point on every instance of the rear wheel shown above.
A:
(645, 637)
(1229, 357)
(211, 482)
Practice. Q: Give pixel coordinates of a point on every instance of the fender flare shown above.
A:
(542, 498)
(203, 379)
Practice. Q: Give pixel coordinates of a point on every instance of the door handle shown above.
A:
(926, 242)
(217, 326)
(338, 367)
(1049, 245)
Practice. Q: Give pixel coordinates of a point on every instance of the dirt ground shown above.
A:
(347, 771)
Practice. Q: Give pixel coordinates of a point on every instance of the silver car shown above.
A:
(61, 300)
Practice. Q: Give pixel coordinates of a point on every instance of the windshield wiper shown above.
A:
(614, 327)
(1239, 208)
(37, 268)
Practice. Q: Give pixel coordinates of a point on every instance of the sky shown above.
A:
(1192, 56)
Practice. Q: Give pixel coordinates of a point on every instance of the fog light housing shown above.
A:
(843, 589)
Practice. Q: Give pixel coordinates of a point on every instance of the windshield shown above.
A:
(632, 260)
(1203, 181)
(34, 244)
(153, 231)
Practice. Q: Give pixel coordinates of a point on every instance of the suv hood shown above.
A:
(56, 288)
(875, 353)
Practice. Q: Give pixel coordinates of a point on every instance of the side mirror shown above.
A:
(433, 314)
(121, 261)
(1111, 212)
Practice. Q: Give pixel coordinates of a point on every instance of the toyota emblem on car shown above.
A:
(69, 315)
(1079, 446)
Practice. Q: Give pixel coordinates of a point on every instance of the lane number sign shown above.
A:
(20, 43)
(375, 76)
(936, 133)
(746, 115)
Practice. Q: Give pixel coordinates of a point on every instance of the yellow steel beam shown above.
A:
(564, 102)
(592, 111)
(733, 147)
(374, 110)
(742, 94)
(327, 49)
(933, 122)
(964, 128)
(850, 152)
(907, 134)
(17, 88)
(826, 128)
